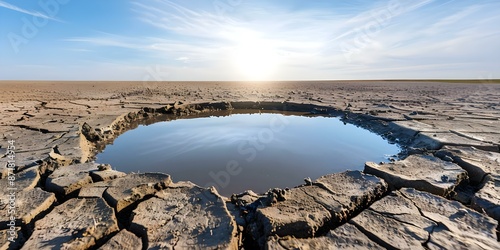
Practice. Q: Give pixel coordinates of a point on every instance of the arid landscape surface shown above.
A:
(444, 195)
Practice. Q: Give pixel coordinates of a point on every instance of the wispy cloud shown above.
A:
(306, 43)
(182, 59)
(109, 41)
(21, 10)
(378, 17)
(218, 33)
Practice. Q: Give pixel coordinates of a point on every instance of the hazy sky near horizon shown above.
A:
(248, 39)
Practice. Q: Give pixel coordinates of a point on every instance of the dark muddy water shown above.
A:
(246, 151)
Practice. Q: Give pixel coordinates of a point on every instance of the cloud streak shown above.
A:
(24, 11)
(306, 43)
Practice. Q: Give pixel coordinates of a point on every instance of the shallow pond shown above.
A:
(238, 152)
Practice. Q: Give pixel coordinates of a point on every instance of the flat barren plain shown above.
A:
(443, 193)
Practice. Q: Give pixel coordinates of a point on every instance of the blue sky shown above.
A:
(248, 39)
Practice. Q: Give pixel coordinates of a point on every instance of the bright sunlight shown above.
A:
(255, 58)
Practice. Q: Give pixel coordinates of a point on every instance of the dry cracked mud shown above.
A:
(443, 193)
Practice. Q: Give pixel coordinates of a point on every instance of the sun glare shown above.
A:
(255, 58)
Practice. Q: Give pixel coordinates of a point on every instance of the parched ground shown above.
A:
(444, 195)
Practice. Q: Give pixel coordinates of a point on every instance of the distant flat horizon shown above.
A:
(311, 80)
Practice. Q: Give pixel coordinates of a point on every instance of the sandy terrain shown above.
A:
(452, 126)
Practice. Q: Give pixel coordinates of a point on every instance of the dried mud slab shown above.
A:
(34, 144)
(92, 191)
(42, 121)
(468, 125)
(66, 180)
(478, 163)
(412, 127)
(70, 148)
(123, 240)
(75, 224)
(28, 200)
(436, 141)
(185, 216)
(395, 223)
(487, 199)
(304, 211)
(421, 172)
(105, 173)
(459, 226)
(346, 236)
(24, 180)
(31, 203)
(411, 219)
(483, 168)
(353, 189)
(127, 190)
(27, 140)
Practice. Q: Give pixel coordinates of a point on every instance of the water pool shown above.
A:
(238, 152)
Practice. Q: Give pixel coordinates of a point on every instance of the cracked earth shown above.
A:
(443, 192)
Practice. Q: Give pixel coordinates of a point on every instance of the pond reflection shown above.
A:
(238, 152)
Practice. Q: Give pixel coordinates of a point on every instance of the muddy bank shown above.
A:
(449, 131)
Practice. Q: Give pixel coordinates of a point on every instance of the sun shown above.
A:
(255, 58)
